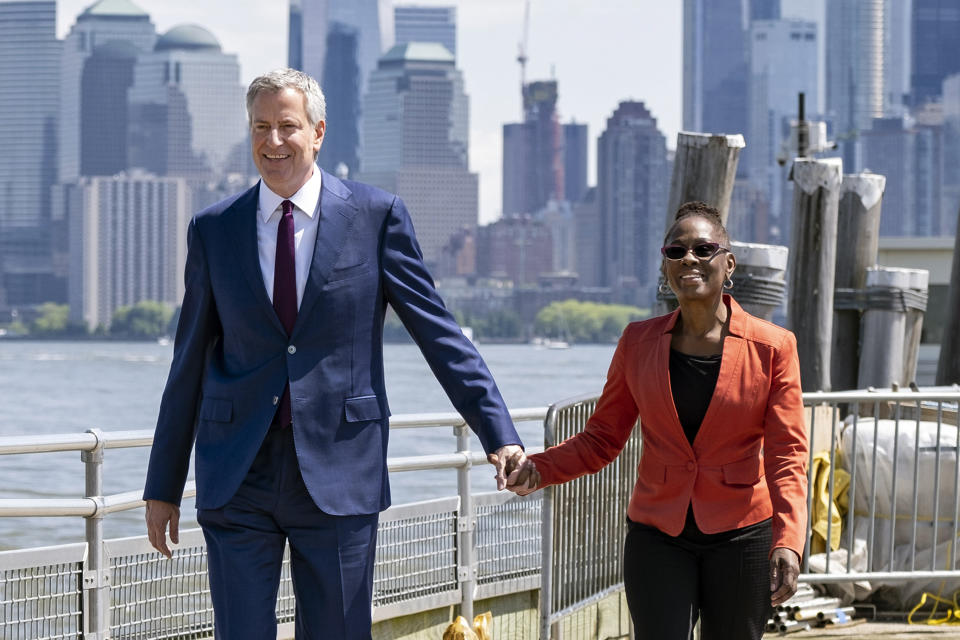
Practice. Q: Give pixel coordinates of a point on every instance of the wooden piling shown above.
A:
(812, 264)
(948, 367)
(858, 230)
(919, 286)
(704, 168)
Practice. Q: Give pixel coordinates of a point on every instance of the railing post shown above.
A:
(96, 575)
(546, 539)
(466, 523)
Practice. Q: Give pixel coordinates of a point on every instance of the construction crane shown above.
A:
(522, 55)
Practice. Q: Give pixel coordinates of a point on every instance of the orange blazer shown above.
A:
(747, 462)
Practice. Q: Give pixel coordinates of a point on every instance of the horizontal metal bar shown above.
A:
(47, 507)
(878, 576)
(43, 556)
(47, 443)
(944, 394)
(435, 461)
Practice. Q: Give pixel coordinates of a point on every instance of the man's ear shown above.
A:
(320, 130)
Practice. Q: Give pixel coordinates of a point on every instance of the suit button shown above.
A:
(691, 466)
(291, 349)
(276, 399)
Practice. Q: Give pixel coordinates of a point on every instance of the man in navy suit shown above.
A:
(277, 378)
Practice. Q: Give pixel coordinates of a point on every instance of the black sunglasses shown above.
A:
(701, 250)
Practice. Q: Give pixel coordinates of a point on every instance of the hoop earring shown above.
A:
(664, 288)
(728, 284)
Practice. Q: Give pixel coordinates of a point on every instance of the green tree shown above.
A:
(51, 321)
(143, 320)
(578, 321)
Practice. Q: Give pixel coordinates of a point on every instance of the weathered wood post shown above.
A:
(889, 295)
(759, 283)
(858, 230)
(704, 168)
(816, 198)
(948, 367)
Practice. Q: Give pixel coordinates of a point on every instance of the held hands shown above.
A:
(515, 471)
(784, 570)
(160, 513)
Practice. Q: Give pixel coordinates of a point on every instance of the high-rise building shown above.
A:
(29, 84)
(187, 113)
(855, 74)
(776, 45)
(295, 35)
(515, 248)
(935, 45)
(107, 75)
(950, 192)
(416, 124)
(414, 23)
(764, 9)
(341, 41)
(100, 23)
(589, 240)
(574, 161)
(715, 64)
(533, 152)
(897, 54)
(632, 187)
(128, 242)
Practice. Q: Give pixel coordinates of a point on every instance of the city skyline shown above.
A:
(636, 47)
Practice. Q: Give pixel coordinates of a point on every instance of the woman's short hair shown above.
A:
(280, 79)
(698, 209)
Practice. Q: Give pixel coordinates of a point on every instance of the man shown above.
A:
(277, 376)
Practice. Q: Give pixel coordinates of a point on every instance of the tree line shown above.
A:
(146, 320)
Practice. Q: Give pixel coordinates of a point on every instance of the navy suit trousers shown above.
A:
(331, 557)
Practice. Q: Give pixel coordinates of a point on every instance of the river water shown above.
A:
(69, 387)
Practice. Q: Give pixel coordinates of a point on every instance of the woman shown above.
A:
(717, 520)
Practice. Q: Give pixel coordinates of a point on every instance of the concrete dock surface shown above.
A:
(877, 631)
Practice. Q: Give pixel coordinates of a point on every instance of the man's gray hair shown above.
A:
(280, 79)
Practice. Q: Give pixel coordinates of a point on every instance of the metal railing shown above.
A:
(429, 554)
(899, 536)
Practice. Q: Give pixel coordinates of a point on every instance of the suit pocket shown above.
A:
(362, 408)
(216, 409)
(743, 472)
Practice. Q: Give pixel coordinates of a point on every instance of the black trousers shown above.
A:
(723, 578)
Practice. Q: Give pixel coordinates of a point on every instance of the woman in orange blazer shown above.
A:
(719, 511)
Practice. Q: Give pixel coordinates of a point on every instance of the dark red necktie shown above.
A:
(285, 293)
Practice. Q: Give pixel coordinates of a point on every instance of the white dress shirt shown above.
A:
(305, 220)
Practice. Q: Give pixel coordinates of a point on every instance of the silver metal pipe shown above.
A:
(96, 575)
(466, 523)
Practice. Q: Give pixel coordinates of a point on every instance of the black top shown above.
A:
(692, 380)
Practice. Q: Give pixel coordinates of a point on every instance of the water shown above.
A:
(69, 387)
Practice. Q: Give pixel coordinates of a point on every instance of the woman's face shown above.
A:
(692, 277)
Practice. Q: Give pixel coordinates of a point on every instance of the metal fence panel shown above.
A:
(41, 593)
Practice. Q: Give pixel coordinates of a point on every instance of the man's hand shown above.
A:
(506, 459)
(525, 479)
(784, 570)
(159, 513)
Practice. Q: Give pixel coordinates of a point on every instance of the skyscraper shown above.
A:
(187, 113)
(715, 64)
(100, 23)
(574, 161)
(107, 75)
(29, 81)
(533, 152)
(413, 23)
(936, 46)
(632, 187)
(127, 243)
(855, 39)
(416, 126)
(776, 45)
(352, 34)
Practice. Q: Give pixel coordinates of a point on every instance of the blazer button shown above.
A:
(291, 349)
(691, 466)
(276, 399)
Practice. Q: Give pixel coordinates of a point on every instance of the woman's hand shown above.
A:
(525, 479)
(784, 571)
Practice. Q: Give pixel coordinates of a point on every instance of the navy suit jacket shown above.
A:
(232, 356)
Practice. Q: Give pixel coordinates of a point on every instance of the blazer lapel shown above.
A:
(241, 220)
(333, 227)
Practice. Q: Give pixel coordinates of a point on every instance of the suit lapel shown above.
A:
(333, 227)
(241, 220)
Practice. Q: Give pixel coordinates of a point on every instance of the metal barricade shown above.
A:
(902, 525)
(430, 554)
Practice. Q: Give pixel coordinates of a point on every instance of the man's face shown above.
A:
(284, 144)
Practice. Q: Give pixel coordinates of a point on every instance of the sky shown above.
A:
(601, 52)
